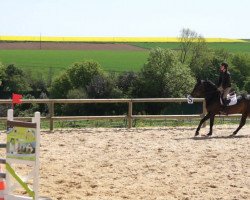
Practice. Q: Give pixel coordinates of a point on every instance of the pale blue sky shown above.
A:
(131, 18)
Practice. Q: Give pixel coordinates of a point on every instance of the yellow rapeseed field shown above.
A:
(106, 39)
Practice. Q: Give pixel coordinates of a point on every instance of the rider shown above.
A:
(224, 84)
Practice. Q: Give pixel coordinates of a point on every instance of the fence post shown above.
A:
(37, 120)
(130, 111)
(51, 115)
(204, 112)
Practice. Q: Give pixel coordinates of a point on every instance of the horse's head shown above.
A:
(204, 89)
(199, 89)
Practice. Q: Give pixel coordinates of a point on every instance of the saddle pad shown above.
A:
(232, 98)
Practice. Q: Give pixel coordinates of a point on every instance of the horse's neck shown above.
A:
(212, 95)
(213, 98)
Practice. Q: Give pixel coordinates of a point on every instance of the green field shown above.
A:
(55, 61)
(231, 47)
(43, 61)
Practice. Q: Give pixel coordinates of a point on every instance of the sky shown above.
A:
(125, 18)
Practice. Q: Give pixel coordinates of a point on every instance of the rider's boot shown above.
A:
(224, 106)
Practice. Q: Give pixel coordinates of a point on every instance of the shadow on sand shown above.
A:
(205, 137)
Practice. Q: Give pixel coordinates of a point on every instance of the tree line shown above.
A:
(166, 73)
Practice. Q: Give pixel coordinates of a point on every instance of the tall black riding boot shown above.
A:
(224, 106)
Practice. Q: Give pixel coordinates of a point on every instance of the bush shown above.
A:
(60, 86)
(103, 87)
(126, 82)
(79, 93)
(81, 74)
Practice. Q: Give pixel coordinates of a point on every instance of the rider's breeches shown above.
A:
(225, 92)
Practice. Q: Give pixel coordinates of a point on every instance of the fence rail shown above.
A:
(51, 104)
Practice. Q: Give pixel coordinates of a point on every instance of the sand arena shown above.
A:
(144, 163)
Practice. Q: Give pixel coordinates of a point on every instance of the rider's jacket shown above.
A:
(224, 80)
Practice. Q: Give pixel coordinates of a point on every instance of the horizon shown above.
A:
(107, 39)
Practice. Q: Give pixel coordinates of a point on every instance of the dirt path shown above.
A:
(147, 163)
(68, 46)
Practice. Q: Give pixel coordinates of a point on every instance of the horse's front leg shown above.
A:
(201, 122)
(211, 124)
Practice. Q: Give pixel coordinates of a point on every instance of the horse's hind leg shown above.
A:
(242, 123)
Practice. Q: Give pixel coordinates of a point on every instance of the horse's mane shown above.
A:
(211, 91)
(210, 85)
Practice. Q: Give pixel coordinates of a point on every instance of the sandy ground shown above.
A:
(146, 163)
(68, 46)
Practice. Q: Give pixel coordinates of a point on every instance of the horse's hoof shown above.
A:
(234, 134)
(209, 134)
(196, 133)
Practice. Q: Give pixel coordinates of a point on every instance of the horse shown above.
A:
(209, 91)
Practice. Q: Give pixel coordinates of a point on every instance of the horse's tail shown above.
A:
(247, 98)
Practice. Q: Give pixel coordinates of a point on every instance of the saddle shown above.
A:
(231, 99)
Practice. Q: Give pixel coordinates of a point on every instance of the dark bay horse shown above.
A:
(208, 90)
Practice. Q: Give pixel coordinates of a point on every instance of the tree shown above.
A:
(13, 79)
(164, 76)
(103, 87)
(206, 65)
(126, 81)
(237, 77)
(151, 77)
(178, 81)
(38, 83)
(195, 53)
(79, 93)
(78, 76)
(199, 52)
(240, 69)
(75, 109)
(187, 39)
(60, 86)
(242, 62)
(219, 56)
(247, 85)
(81, 74)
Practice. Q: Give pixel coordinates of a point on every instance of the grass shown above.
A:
(231, 47)
(138, 123)
(40, 61)
(54, 61)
